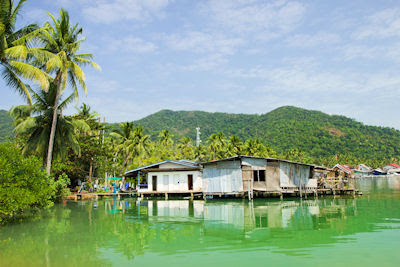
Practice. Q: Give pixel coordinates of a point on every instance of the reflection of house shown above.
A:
(178, 176)
(244, 174)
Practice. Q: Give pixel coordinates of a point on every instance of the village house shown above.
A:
(391, 168)
(342, 171)
(241, 175)
(168, 176)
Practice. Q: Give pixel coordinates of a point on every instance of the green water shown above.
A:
(364, 231)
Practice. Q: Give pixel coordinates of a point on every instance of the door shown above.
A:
(154, 180)
(190, 181)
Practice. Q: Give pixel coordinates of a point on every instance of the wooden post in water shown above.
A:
(166, 196)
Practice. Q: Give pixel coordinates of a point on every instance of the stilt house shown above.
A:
(168, 176)
(242, 174)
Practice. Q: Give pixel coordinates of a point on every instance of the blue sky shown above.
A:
(238, 56)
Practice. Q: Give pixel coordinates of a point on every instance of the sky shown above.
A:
(236, 56)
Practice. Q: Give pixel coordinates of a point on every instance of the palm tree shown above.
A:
(34, 124)
(186, 148)
(253, 147)
(217, 144)
(15, 51)
(138, 145)
(234, 146)
(165, 138)
(62, 40)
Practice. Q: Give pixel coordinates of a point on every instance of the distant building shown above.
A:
(342, 170)
(390, 166)
(363, 170)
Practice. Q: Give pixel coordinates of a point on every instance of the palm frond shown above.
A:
(12, 80)
(31, 73)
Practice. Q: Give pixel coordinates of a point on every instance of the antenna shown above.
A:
(198, 141)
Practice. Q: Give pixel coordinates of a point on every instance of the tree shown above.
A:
(216, 142)
(15, 51)
(34, 124)
(235, 146)
(62, 40)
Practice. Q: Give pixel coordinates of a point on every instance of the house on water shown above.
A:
(241, 175)
(168, 176)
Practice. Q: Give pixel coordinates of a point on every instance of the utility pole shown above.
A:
(198, 141)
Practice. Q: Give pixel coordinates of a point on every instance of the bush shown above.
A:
(24, 185)
(60, 187)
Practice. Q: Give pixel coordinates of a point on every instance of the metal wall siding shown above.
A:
(254, 162)
(222, 180)
(293, 174)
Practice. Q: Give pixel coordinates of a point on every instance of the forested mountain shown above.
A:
(314, 132)
(285, 128)
(6, 127)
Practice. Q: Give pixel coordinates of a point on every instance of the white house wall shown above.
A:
(174, 181)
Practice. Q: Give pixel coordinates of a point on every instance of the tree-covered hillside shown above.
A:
(314, 132)
(285, 128)
(6, 127)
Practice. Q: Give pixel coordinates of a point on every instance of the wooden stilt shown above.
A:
(166, 196)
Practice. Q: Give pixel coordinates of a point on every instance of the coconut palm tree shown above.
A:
(235, 146)
(138, 145)
(165, 138)
(34, 124)
(253, 147)
(217, 144)
(186, 148)
(62, 40)
(15, 50)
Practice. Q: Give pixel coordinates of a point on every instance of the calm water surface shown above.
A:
(364, 231)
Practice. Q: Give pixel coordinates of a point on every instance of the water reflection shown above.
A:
(104, 232)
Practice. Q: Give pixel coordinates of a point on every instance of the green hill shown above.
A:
(6, 127)
(285, 128)
(288, 127)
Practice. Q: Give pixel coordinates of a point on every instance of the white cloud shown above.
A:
(313, 40)
(382, 24)
(109, 11)
(200, 42)
(255, 16)
(130, 44)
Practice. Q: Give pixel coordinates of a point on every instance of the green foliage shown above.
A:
(61, 187)
(24, 185)
(6, 128)
(315, 134)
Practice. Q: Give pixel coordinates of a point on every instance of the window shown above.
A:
(259, 175)
(255, 176)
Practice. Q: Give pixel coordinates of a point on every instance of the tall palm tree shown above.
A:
(34, 124)
(138, 145)
(15, 50)
(62, 40)
(186, 148)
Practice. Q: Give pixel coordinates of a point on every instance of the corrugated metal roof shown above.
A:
(254, 157)
(179, 162)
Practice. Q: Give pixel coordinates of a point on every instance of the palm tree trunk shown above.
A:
(53, 124)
